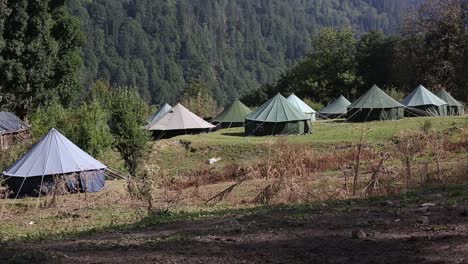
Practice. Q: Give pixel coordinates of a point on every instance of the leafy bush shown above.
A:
(127, 115)
(317, 106)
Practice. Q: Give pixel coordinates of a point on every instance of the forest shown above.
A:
(232, 46)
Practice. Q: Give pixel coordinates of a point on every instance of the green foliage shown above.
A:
(40, 54)
(395, 93)
(317, 106)
(230, 45)
(127, 115)
(197, 98)
(329, 69)
(86, 125)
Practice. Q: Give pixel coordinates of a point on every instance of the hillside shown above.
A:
(231, 45)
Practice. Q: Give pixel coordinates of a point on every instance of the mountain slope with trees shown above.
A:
(232, 46)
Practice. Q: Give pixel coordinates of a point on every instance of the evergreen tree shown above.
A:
(40, 55)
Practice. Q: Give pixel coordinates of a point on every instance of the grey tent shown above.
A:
(233, 115)
(337, 108)
(160, 113)
(423, 102)
(178, 121)
(277, 117)
(302, 106)
(454, 107)
(12, 130)
(54, 157)
(375, 104)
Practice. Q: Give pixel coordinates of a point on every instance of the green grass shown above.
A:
(232, 146)
(330, 132)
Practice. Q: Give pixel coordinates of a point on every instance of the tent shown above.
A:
(375, 104)
(12, 130)
(160, 113)
(277, 117)
(302, 106)
(422, 102)
(178, 121)
(454, 107)
(337, 108)
(233, 115)
(55, 157)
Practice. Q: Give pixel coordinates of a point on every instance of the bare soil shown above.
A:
(304, 234)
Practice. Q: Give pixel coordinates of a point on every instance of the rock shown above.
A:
(427, 205)
(359, 234)
(397, 220)
(424, 220)
(387, 203)
(422, 210)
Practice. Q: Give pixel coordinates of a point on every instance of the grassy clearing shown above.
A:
(232, 146)
(113, 209)
(325, 132)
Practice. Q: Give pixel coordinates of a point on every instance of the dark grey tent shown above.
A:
(422, 102)
(375, 104)
(337, 108)
(277, 117)
(454, 107)
(12, 130)
(55, 157)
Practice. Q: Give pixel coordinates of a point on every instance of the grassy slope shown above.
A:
(231, 145)
(99, 211)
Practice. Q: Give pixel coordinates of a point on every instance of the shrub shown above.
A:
(127, 115)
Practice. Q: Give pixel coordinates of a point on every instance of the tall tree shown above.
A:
(329, 69)
(435, 37)
(40, 55)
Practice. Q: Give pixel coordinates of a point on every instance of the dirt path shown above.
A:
(324, 235)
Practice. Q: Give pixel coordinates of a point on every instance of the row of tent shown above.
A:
(56, 157)
(291, 115)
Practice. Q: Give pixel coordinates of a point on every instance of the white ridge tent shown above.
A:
(303, 107)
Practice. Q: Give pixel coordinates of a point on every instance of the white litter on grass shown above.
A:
(213, 160)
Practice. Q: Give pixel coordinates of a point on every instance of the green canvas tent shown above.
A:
(337, 108)
(422, 102)
(277, 117)
(375, 104)
(454, 107)
(233, 115)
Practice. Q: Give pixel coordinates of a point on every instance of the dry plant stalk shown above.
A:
(374, 181)
(357, 164)
(408, 146)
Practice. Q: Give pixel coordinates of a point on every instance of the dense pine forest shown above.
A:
(232, 46)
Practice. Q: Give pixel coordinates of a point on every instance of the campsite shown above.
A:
(231, 131)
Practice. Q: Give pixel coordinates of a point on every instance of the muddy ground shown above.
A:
(380, 232)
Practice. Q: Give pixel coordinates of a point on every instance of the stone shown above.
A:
(359, 234)
(427, 205)
(422, 210)
(387, 203)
